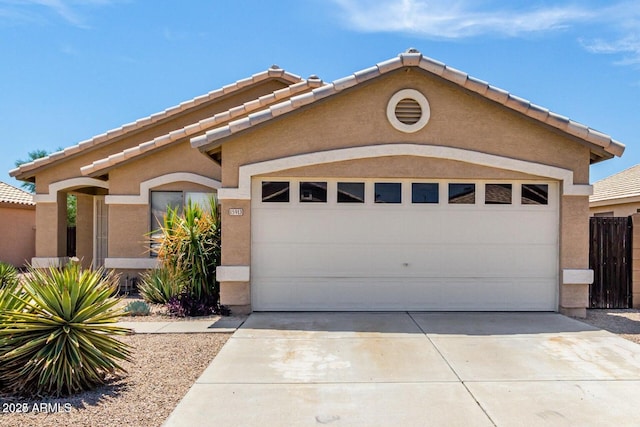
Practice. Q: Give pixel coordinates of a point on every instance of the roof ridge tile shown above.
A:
(389, 65)
(366, 74)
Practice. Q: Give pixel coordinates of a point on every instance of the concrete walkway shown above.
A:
(417, 369)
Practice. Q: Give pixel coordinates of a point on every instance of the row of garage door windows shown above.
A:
(391, 192)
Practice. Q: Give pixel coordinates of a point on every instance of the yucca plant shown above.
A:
(159, 285)
(8, 274)
(56, 334)
(190, 245)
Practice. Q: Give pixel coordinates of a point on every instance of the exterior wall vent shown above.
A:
(408, 110)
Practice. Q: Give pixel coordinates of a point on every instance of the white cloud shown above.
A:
(63, 9)
(623, 20)
(455, 19)
(612, 29)
(628, 46)
(31, 10)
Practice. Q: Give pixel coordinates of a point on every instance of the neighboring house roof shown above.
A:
(27, 170)
(617, 188)
(13, 195)
(602, 145)
(99, 167)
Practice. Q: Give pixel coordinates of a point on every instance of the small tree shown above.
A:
(31, 156)
(72, 201)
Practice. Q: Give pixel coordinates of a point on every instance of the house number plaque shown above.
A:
(236, 211)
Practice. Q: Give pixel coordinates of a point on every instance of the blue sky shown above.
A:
(73, 69)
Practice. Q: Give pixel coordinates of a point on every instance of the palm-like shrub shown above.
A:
(159, 285)
(56, 332)
(190, 246)
(8, 274)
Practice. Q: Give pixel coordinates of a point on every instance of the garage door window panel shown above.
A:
(423, 192)
(351, 192)
(388, 192)
(535, 194)
(275, 191)
(313, 192)
(498, 194)
(462, 194)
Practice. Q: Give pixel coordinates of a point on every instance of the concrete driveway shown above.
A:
(417, 369)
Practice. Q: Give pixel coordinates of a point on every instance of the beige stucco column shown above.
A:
(51, 231)
(84, 229)
(575, 276)
(234, 271)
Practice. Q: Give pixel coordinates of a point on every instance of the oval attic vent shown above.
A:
(408, 111)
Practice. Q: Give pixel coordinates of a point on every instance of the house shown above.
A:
(617, 195)
(408, 185)
(17, 225)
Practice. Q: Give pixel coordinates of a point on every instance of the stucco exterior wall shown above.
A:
(17, 228)
(618, 209)
(179, 158)
(128, 227)
(357, 117)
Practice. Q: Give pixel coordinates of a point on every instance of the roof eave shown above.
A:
(29, 170)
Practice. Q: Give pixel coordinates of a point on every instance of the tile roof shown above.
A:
(412, 58)
(102, 165)
(622, 185)
(273, 72)
(11, 194)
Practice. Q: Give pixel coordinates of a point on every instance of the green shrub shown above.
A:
(8, 274)
(137, 308)
(158, 286)
(10, 300)
(55, 333)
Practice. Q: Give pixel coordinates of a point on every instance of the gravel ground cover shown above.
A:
(159, 313)
(625, 323)
(164, 367)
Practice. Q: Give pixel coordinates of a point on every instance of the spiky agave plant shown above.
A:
(190, 245)
(159, 285)
(8, 274)
(56, 333)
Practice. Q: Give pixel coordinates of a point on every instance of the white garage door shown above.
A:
(332, 244)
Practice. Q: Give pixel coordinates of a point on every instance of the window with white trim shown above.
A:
(160, 201)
